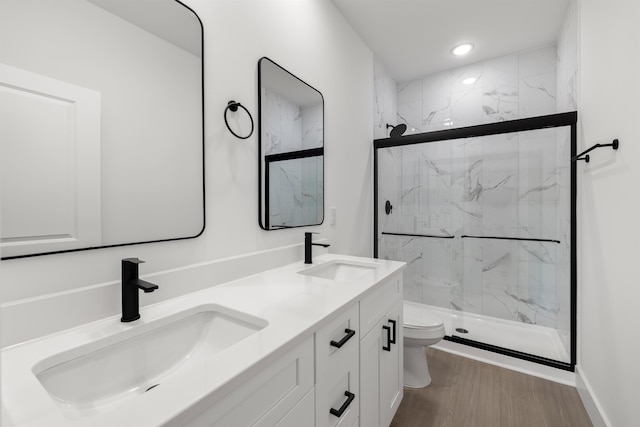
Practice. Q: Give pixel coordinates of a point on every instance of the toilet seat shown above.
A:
(420, 324)
(431, 333)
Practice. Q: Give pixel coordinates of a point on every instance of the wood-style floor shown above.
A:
(467, 393)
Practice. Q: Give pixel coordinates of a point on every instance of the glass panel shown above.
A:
(295, 192)
(504, 277)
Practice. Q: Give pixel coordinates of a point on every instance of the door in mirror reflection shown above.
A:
(291, 149)
(104, 138)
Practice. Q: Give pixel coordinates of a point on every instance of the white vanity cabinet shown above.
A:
(281, 394)
(348, 373)
(381, 354)
(337, 371)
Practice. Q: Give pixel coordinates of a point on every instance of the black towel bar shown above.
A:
(584, 156)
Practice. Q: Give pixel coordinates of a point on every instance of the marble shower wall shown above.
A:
(506, 88)
(567, 61)
(511, 185)
(567, 100)
(384, 101)
(296, 189)
(296, 198)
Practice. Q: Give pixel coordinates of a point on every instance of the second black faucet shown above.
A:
(307, 247)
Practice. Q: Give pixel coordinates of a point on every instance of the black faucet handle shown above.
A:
(133, 260)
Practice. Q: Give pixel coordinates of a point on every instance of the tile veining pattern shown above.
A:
(384, 101)
(513, 185)
(509, 185)
(296, 186)
(506, 88)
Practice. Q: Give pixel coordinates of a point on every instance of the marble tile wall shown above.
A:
(297, 196)
(511, 185)
(384, 101)
(567, 61)
(506, 88)
(296, 186)
(567, 100)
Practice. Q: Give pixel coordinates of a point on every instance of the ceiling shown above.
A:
(414, 38)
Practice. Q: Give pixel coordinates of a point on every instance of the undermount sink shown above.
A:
(96, 377)
(340, 270)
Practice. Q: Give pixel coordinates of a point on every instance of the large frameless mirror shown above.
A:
(102, 140)
(291, 149)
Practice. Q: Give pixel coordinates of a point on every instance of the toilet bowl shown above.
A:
(421, 329)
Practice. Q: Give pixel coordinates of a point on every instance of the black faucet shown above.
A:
(307, 247)
(130, 285)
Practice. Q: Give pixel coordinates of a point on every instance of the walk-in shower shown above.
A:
(484, 216)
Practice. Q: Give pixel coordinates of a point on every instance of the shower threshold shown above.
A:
(535, 343)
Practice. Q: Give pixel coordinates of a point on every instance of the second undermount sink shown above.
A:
(340, 270)
(96, 377)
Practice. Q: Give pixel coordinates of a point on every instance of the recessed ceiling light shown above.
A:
(462, 49)
(469, 81)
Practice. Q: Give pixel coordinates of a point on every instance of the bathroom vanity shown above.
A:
(299, 345)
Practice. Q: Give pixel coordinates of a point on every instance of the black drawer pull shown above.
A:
(338, 344)
(388, 346)
(393, 322)
(338, 413)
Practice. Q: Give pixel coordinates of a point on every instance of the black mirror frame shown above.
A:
(204, 210)
(263, 184)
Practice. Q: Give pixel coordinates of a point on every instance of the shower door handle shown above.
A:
(388, 346)
(393, 323)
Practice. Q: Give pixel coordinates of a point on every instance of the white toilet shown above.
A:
(421, 329)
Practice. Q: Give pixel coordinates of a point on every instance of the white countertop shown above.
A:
(294, 306)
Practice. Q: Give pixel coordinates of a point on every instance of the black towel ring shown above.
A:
(233, 106)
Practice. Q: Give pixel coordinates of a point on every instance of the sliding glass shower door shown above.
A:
(484, 221)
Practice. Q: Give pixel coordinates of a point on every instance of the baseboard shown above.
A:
(589, 400)
(31, 318)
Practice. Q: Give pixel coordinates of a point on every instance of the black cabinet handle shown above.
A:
(388, 346)
(393, 322)
(338, 344)
(338, 412)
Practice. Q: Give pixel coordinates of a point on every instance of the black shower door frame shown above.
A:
(519, 125)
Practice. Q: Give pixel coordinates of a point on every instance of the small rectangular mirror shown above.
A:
(291, 149)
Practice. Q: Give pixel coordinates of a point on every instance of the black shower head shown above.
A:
(397, 131)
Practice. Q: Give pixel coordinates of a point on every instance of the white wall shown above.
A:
(609, 208)
(312, 40)
(143, 103)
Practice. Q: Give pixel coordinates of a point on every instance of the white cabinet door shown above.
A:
(381, 367)
(50, 164)
(391, 365)
(266, 398)
(370, 349)
(338, 397)
(302, 414)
